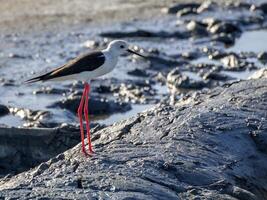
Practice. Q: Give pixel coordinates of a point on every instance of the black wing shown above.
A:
(87, 62)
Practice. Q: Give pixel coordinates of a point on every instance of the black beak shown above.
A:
(131, 51)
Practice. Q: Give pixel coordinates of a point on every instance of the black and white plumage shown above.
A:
(85, 68)
(88, 66)
(76, 66)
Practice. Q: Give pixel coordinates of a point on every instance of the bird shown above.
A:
(85, 68)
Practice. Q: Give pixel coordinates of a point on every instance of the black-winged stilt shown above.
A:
(84, 68)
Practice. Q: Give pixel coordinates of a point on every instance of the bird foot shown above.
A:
(91, 151)
(85, 153)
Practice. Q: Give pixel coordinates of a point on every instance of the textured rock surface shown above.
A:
(23, 148)
(209, 148)
(178, 7)
(177, 81)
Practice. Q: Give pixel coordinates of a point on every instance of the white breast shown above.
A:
(108, 66)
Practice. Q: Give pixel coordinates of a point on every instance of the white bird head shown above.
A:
(119, 47)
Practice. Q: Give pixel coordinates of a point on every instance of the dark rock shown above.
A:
(263, 57)
(180, 6)
(210, 21)
(163, 62)
(102, 89)
(252, 20)
(214, 75)
(105, 86)
(177, 81)
(154, 51)
(138, 72)
(190, 55)
(217, 54)
(227, 39)
(243, 5)
(186, 11)
(4, 110)
(224, 27)
(201, 149)
(137, 92)
(208, 50)
(206, 6)
(19, 56)
(263, 8)
(23, 148)
(97, 105)
(197, 28)
(9, 82)
(50, 90)
(41, 124)
(161, 77)
(144, 33)
(199, 66)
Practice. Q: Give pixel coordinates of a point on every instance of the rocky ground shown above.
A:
(212, 147)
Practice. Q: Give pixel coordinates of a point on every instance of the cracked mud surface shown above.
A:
(211, 147)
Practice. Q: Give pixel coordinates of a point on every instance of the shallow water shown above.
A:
(11, 120)
(251, 41)
(239, 75)
(205, 60)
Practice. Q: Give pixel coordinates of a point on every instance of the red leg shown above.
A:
(86, 114)
(80, 112)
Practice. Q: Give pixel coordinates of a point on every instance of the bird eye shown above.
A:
(121, 46)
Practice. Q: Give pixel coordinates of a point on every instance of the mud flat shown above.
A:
(208, 147)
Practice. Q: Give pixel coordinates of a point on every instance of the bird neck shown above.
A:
(111, 57)
(110, 52)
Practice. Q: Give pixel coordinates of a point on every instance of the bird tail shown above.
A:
(38, 78)
(44, 77)
(33, 80)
